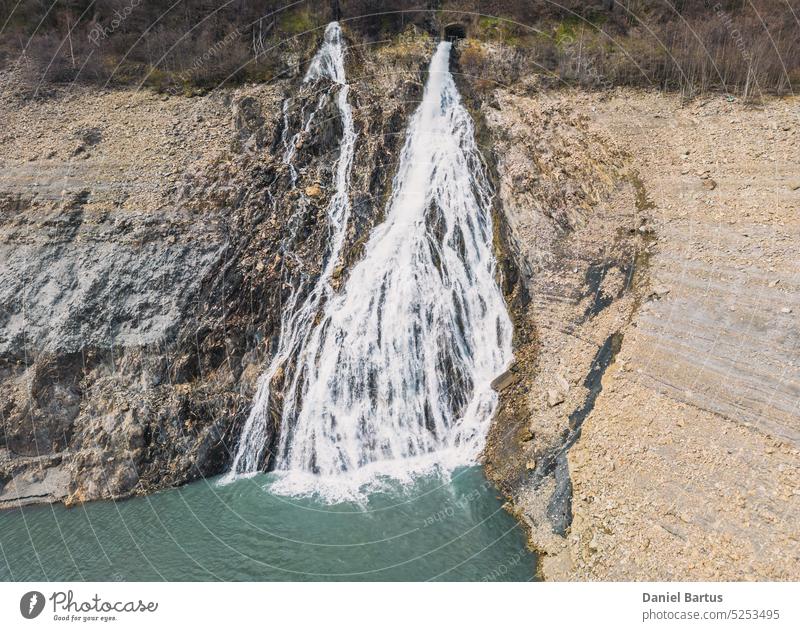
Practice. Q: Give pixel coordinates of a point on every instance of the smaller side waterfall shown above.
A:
(298, 314)
(327, 63)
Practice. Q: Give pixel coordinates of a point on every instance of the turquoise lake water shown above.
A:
(435, 529)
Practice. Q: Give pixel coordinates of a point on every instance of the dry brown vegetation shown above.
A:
(744, 47)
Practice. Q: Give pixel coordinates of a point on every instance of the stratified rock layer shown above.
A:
(676, 457)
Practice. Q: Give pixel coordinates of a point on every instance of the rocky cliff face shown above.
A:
(689, 464)
(147, 245)
(648, 428)
(101, 267)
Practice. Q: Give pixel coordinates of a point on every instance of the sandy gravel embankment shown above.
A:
(688, 466)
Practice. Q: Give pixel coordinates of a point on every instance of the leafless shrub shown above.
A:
(743, 47)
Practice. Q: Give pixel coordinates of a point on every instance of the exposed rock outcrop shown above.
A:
(574, 261)
(143, 275)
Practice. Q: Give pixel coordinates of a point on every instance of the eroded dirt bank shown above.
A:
(681, 431)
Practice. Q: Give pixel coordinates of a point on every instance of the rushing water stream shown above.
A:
(392, 377)
(299, 313)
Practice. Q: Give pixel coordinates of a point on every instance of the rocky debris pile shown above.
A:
(569, 200)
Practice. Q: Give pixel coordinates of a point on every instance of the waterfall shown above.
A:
(327, 63)
(391, 376)
(394, 378)
(297, 319)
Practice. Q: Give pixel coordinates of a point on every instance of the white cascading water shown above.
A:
(297, 320)
(394, 379)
